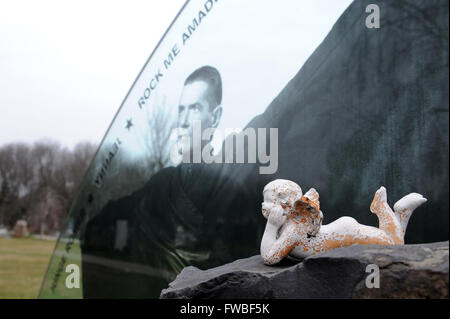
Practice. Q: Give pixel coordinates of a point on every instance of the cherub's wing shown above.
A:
(313, 196)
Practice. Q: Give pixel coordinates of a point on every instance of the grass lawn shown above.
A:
(23, 263)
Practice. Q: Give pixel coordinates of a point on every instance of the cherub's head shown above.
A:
(303, 210)
(280, 193)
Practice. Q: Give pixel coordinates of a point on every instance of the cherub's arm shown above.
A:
(275, 246)
(273, 249)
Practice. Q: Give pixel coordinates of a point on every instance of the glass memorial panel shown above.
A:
(240, 93)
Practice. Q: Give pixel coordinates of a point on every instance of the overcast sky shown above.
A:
(65, 66)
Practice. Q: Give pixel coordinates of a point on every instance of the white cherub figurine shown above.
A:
(294, 223)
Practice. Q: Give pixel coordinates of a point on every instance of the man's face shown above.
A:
(198, 107)
(194, 106)
(194, 109)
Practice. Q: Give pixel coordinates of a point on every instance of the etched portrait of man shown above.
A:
(180, 216)
(200, 105)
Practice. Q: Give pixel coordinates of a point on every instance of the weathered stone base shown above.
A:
(410, 271)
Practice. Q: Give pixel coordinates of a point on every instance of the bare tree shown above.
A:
(39, 182)
(157, 136)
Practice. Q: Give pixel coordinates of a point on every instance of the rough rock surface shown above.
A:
(410, 271)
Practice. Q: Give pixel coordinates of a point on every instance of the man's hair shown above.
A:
(210, 76)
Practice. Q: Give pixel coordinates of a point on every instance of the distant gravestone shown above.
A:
(20, 229)
(3, 232)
